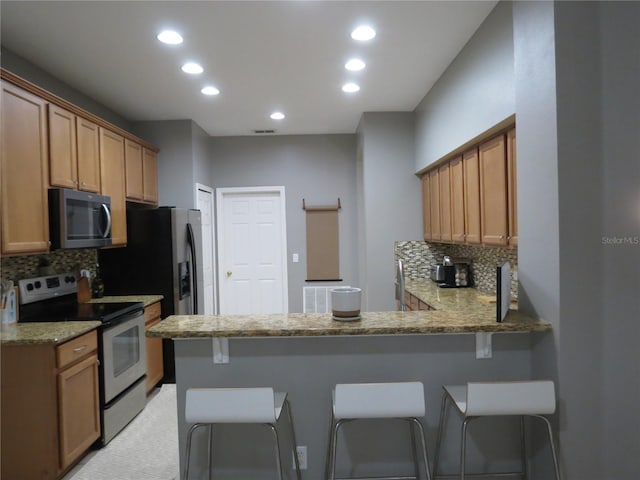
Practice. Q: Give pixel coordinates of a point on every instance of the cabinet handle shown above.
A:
(79, 349)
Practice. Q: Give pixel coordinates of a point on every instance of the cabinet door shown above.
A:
(63, 158)
(493, 191)
(457, 199)
(150, 176)
(444, 180)
(426, 211)
(155, 369)
(471, 196)
(434, 207)
(133, 165)
(113, 182)
(512, 187)
(88, 136)
(24, 172)
(78, 409)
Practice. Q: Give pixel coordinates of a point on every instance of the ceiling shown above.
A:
(263, 56)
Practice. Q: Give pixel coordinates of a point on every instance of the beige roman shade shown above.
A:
(323, 252)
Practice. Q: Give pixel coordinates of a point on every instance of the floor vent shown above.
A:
(317, 299)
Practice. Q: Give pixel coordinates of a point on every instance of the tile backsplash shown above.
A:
(418, 256)
(60, 261)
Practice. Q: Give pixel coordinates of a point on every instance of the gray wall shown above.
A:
(474, 93)
(391, 197)
(23, 68)
(202, 164)
(620, 64)
(318, 168)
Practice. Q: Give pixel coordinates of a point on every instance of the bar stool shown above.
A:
(478, 399)
(358, 401)
(209, 406)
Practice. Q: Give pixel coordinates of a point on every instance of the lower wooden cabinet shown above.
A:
(155, 369)
(49, 407)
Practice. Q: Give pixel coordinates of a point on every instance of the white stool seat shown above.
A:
(480, 399)
(261, 405)
(392, 400)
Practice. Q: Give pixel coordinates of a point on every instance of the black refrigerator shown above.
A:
(163, 256)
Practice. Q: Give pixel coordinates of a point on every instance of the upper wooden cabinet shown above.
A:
(150, 176)
(434, 205)
(73, 151)
(426, 212)
(88, 137)
(456, 174)
(142, 173)
(493, 191)
(512, 187)
(133, 163)
(24, 172)
(471, 169)
(63, 149)
(112, 171)
(473, 198)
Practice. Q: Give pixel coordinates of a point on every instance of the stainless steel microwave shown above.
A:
(79, 219)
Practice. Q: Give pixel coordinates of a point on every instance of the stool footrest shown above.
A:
(480, 475)
(378, 478)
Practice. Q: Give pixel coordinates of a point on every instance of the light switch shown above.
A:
(296, 258)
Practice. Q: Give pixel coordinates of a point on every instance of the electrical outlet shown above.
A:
(301, 451)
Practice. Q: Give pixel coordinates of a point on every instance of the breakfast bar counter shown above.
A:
(371, 323)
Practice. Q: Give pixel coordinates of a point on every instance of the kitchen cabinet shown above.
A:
(50, 406)
(149, 176)
(456, 175)
(434, 205)
(141, 173)
(471, 168)
(63, 153)
(493, 191)
(88, 138)
(73, 151)
(112, 172)
(426, 212)
(24, 172)
(133, 169)
(444, 183)
(155, 369)
(512, 187)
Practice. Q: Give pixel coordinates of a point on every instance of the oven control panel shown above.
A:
(44, 288)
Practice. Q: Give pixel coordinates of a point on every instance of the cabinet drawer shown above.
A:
(151, 312)
(75, 349)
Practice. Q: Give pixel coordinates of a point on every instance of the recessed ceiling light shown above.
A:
(210, 90)
(192, 68)
(363, 33)
(170, 37)
(277, 116)
(354, 65)
(350, 87)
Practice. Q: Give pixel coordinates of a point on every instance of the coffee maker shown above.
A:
(457, 275)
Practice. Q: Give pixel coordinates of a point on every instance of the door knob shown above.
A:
(229, 273)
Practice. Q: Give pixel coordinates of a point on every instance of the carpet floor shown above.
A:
(147, 449)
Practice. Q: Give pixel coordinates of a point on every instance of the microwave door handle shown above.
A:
(108, 214)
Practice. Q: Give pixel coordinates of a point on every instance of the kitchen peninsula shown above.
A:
(307, 354)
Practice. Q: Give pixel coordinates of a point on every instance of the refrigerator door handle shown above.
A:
(194, 269)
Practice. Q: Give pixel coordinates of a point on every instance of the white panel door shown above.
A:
(204, 203)
(252, 250)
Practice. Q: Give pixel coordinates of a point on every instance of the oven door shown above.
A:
(124, 355)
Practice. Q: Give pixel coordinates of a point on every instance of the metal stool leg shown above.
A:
(327, 465)
(277, 441)
(414, 451)
(441, 426)
(188, 455)
(425, 457)
(556, 466)
(332, 466)
(523, 448)
(463, 447)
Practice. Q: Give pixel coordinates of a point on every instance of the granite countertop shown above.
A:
(450, 298)
(146, 299)
(39, 333)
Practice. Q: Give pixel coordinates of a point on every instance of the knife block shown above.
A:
(84, 291)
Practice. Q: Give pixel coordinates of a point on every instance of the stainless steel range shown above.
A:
(121, 343)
